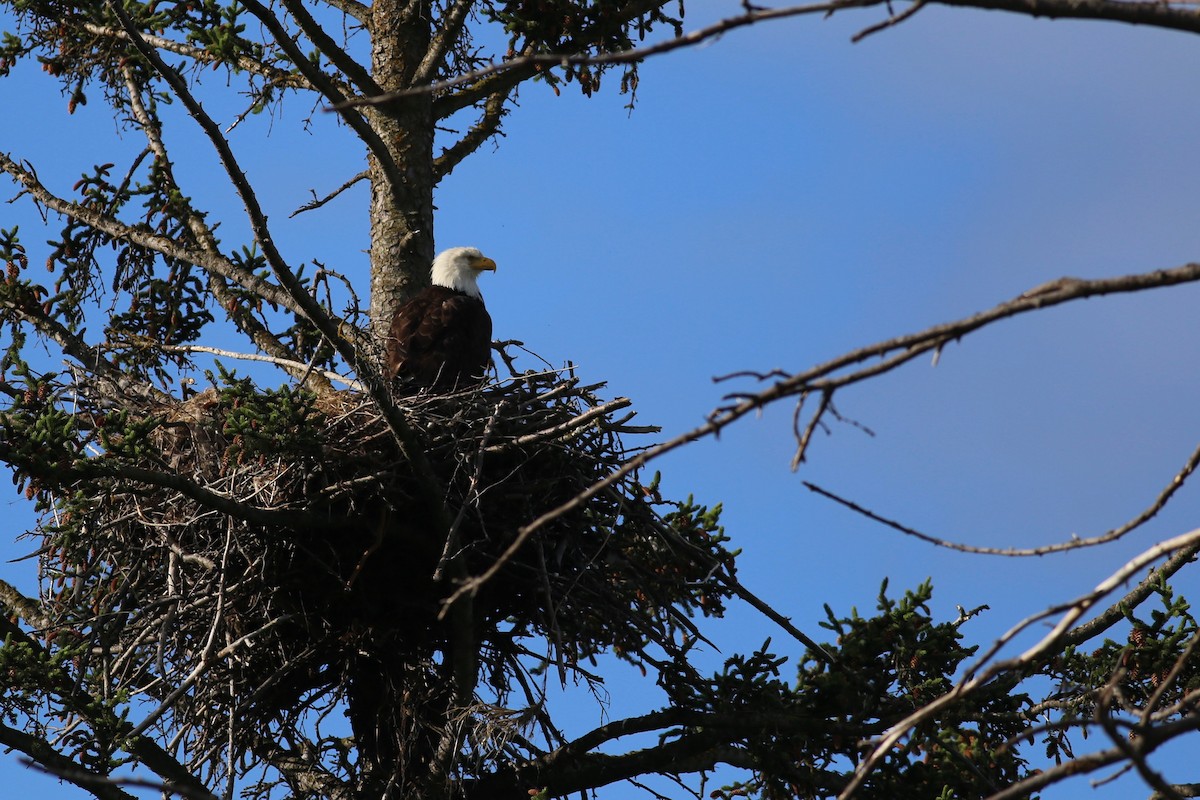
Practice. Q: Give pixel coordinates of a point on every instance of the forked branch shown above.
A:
(1160, 502)
(876, 359)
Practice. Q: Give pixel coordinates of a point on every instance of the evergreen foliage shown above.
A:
(316, 586)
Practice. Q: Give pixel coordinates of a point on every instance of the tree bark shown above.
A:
(401, 215)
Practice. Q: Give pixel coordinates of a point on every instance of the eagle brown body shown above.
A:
(442, 337)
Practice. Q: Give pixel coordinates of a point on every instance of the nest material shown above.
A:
(288, 553)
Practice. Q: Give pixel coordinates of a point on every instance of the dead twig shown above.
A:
(1074, 543)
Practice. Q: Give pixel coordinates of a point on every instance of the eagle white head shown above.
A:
(458, 268)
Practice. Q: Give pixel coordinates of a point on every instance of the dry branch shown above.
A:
(1160, 502)
(876, 359)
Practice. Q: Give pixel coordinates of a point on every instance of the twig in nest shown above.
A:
(561, 431)
(472, 499)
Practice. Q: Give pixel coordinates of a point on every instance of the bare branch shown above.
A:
(1080, 765)
(1074, 543)
(1161, 15)
(328, 89)
(352, 8)
(574, 768)
(109, 468)
(504, 76)
(892, 21)
(502, 83)
(317, 202)
(565, 429)
(448, 31)
(1182, 790)
(1146, 741)
(151, 127)
(242, 315)
(805, 437)
(770, 613)
(1173, 16)
(357, 74)
(487, 127)
(1148, 585)
(303, 771)
(292, 366)
(893, 352)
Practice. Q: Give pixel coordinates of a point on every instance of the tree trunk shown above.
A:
(402, 215)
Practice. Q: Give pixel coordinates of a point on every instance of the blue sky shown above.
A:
(781, 196)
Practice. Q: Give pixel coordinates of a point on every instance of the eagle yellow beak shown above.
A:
(482, 263)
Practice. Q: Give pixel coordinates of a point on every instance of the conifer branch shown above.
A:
(243, 62)
(304, 303)
(164, 245)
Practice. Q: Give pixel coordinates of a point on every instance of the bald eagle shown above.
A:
(442, 337)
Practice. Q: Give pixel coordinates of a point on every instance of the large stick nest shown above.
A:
(281, 550)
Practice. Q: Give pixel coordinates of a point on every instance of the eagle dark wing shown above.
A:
(440, 338)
